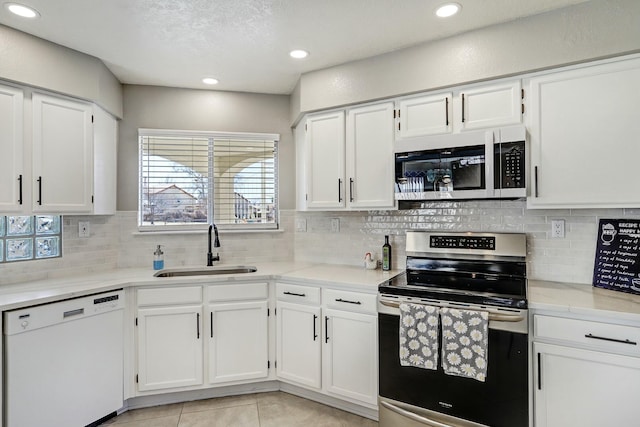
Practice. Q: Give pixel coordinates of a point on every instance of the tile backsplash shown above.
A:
(115, 242)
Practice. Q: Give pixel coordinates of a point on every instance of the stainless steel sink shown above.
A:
(206, 271)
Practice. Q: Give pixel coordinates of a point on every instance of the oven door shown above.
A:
(440, 400)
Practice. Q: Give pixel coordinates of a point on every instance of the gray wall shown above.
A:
(188, 109)
(587, 31)
(32, 61)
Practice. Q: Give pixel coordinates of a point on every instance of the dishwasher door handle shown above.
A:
(71, 313)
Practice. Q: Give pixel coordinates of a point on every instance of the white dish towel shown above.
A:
(419, 335)
(465, 341)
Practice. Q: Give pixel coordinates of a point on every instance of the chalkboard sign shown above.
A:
(617, 263)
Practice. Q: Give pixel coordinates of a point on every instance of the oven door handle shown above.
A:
(496, 317)
(412, 416)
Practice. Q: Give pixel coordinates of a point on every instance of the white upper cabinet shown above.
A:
(62, 155)
(490, 105)
(370, 160)
(584, 128)
(464, 108)
(350, 165)
(424, 115)
(325, 161)
(12, 178)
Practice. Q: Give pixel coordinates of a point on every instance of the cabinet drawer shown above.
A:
(351, 301)
(238, 291)
(297, 293)
(170, 296)
(606, 336)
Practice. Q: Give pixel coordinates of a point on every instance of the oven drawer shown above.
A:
(604, 336)
(297, 293)
(351, 301)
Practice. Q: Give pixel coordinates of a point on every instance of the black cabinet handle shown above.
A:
(539, 372)
(347, 301)
(315, 334)
(351, 189)
(596, 337)
(446, 111)
(326, 329)
(535, 178)
(211, 324)
(463, 108)
(198, 325)
(20, 189)
(295, 294)
(339, 190)
(39, 190)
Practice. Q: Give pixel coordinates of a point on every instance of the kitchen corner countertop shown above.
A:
(584, 299)
(54, 289)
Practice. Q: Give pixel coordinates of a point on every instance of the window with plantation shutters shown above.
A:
(190, 179)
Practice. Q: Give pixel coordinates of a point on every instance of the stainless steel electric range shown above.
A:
(482, 272)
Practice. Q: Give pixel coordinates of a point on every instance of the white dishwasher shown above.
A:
(63, 361)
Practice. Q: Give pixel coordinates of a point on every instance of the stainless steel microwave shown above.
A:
(473, 165)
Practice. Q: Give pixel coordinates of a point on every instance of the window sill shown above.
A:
(204, 231)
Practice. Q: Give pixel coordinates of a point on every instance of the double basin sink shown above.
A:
(206, 271)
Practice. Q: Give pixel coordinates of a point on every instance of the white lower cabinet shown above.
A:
(238, 346)
(350, 355)
(585, 387)
(176, 333)
(332, 348)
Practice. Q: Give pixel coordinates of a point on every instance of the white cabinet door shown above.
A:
(62, 155)
(325, 169)
(350, 355)
(169, 347)
(575, 387)
(238, 345)
(491, 105)
(298, 344)
(12, 179)
(584, 128)
(370, 159)
(424, 115)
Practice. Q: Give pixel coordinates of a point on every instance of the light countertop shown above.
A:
(584, 299)
(52, 289)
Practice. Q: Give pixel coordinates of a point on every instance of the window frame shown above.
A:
(246, 136)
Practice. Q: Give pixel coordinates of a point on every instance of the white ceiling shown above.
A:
(245, 43)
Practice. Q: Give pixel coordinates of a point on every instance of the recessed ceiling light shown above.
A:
(210, 81)
(22, 10)
(448, 9)
(299, 54)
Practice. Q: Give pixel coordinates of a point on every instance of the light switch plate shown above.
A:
(301, 225)
(335, 225)
(83, 229)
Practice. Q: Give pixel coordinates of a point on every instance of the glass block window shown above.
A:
(25, 237)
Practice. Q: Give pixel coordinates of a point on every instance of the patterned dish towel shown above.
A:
(465, 339)
(419, 335)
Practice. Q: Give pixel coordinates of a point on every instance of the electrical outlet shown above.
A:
(301, 225)
(335, 225)
(557, 228)
(83, 229)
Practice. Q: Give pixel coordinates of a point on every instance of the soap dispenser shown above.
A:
(158, 259)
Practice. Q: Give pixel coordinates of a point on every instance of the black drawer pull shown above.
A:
(595, 337)
(347, 301)
(295, 294)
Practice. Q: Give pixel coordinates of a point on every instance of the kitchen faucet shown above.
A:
(216, 244)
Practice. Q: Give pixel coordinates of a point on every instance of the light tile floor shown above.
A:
(274, 409)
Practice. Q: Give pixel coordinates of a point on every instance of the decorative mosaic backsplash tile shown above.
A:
(30, 237)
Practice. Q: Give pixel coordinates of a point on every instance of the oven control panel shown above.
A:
(463, 242)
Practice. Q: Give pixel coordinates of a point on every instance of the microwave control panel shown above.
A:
(510, 165)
